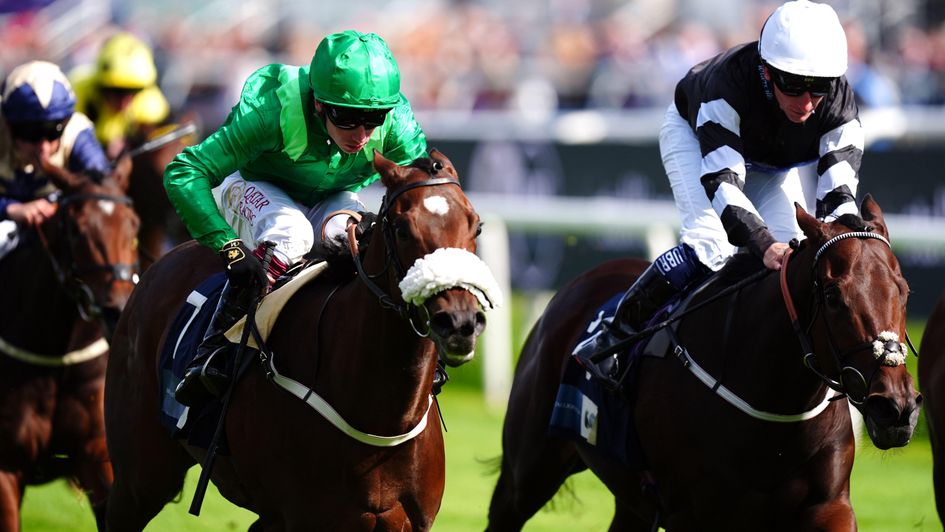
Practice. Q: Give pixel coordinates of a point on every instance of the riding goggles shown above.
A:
(34, 132)
(793, 85)
(119, 92)
(352, 117)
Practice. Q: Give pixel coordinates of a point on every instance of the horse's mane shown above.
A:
(739, 266)
(336, 253)
(743, 264)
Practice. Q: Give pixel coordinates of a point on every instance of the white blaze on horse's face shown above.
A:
(437, 205)
(107, 206)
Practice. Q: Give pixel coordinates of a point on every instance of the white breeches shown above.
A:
(772, 192)
(261, 211)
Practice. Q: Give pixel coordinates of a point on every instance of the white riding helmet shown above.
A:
(805, 39)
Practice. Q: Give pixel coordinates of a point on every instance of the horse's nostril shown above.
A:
(442, 324)
(882, 409)
(448, 324)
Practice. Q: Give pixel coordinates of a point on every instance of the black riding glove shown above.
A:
(243, 269)
(365, 226)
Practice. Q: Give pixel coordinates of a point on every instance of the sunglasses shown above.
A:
(350, 117)
(34, 132)
(793, 85)
(119, 92)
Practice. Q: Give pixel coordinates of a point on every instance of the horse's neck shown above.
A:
(379, 360)
(757, 352)
(38, 315)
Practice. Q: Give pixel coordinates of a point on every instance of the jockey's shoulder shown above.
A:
(150, 106)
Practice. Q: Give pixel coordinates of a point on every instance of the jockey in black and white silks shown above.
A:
(752, 131)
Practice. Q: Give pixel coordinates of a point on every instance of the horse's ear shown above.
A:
(871, 212)
(122, 171)
(812, 227)
(392, 174)
(438, 156)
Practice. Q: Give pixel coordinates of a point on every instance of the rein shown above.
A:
(714, 384)
(884, 346)
(653, 329)
(386, 301)
(310, 396)
(68, 277)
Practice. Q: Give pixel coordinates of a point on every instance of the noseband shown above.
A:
(886, 347)
(69, 277)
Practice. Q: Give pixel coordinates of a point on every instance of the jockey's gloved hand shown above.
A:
(243, 268)
(365, 226)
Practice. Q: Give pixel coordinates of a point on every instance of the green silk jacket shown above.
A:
(273, 134)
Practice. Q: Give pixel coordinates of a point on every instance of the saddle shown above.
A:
(187, 331)
(596, 409)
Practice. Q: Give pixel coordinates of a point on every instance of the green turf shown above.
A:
(891, 491)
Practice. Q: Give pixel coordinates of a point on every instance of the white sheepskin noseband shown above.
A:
(888, 344)
(448, 268)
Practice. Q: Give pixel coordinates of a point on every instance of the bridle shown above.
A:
(68, 272)
(405, 310)
(851, 382)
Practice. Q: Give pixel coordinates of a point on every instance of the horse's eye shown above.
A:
(479, 229)
(402, 231)
(832, 296)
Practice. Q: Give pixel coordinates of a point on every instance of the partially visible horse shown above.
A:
(161, 228)
(63, 287)
(736, 431)
(932, 385)
(367, 346)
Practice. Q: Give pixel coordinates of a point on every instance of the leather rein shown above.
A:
(849, 377)
(403, 309)
(68, 276)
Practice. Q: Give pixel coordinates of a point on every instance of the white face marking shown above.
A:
(107, 206)
(436, 205)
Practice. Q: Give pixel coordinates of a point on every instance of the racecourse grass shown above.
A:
(891, 490)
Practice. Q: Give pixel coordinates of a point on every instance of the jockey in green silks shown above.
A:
(297, 147)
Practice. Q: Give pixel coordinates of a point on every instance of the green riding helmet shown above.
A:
(354, 69)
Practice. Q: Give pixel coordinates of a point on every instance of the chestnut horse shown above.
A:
(932, 385)
(64, 285)
(367, 346)
(735, 429)
(161, 228)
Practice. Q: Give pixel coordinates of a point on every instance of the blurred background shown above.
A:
(544, 100)
(549, 109)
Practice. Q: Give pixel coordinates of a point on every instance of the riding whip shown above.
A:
(163, 140)
(207, 466)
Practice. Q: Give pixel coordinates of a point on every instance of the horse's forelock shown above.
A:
(854, 222)
(423, 163)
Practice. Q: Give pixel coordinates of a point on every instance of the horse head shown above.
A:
(429, 229)
(858, 320)
(92, 241)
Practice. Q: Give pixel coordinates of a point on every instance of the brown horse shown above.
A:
(161, 228)
(367, 346)
(62, 283)
(932, 385)
(761, 448)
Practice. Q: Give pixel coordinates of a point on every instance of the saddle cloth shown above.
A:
(587, 412)
(196, 425)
